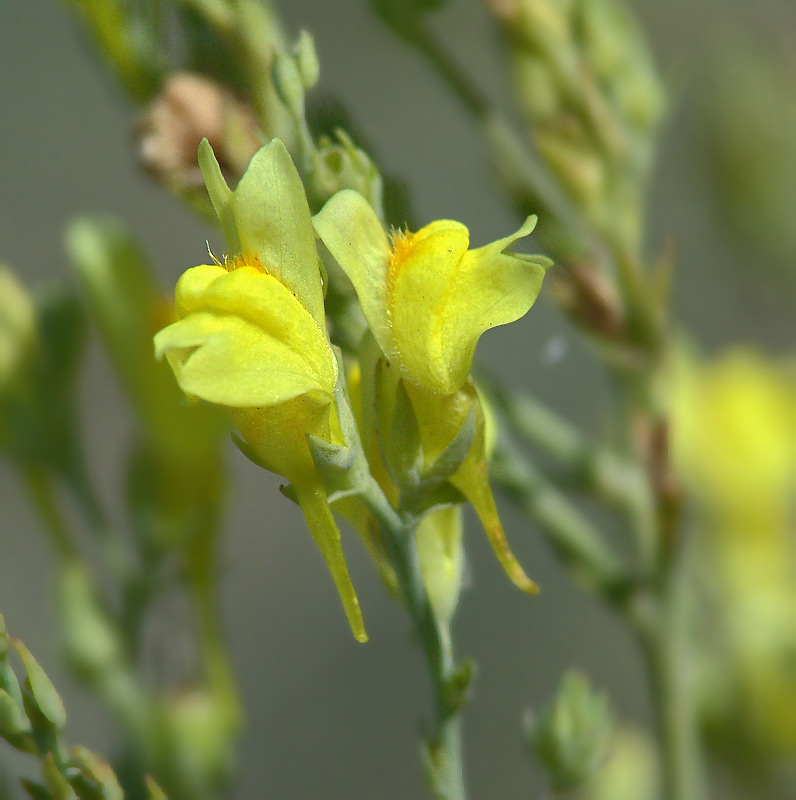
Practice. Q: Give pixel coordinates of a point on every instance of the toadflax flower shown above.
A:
(427, 299)
(426, 296)
(251, 337)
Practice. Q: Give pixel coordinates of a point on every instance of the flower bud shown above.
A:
(570, 738)
(630, 771)
(439, 548)
(92, 643)
(17, 325)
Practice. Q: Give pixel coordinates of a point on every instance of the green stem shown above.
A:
(445, 764)
(43, 498)
(664, 642)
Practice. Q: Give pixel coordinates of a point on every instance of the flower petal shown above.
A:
(488, 288)
(246, 341)
(274, 224)
(420, 285)
(352, 233)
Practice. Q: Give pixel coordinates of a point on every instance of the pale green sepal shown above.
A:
(274, 224)
(457, 686)
(337, 465)
(99, 771)
(352, 232)
(55, 782)
(13, 720)
(220, 195)
(435, 499)
(323, 528)
(343, 468)
(250, 453)
(403, 449)
(47, 698)
(35, 791)
(154, 791)
(451, 459)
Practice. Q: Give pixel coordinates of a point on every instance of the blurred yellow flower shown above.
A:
(735, 446)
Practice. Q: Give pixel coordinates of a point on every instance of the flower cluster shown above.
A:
(251, 337)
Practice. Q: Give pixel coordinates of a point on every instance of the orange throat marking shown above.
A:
(401, 244)
(236, 262)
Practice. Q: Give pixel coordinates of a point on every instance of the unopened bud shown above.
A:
(340, 164)
(307, 60)
(570, 737)
(91, 642)
(17, 324)
(439, 549)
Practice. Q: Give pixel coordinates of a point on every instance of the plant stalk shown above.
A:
(444, 756)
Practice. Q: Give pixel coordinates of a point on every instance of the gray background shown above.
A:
(329, 718)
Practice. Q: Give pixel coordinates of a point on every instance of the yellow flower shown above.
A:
(251, 337)
(426, 297)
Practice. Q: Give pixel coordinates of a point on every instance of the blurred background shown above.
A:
(327, 717)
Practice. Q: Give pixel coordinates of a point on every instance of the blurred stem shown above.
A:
(445, 748)
(215, 655)
(663, 636)
(40, 489)
(515, 156)
(218, 13)
(598, 470)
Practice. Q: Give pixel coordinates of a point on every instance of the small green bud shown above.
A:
(339, 164)
(438, 540)
(17, 325)
(307, 60)
(44, 693)
(570, 737)
(92, 644)
(13, 720)
(35, 791)
(289, 84)
(630, 771)
(195, 743)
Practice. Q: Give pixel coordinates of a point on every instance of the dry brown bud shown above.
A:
(505, 10)
(190, 108)
(590, 299)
